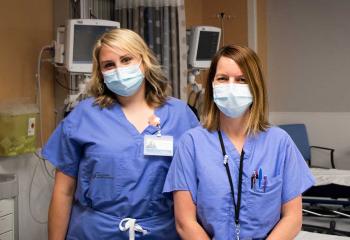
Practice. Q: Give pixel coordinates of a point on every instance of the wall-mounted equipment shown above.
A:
(18, 129)
(59, 45)
(203, 44)
(81, 36)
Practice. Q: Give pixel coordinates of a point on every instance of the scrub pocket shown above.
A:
(264, 207)
(105, 176)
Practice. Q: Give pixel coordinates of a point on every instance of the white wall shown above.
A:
(308, 57)
(24, 166)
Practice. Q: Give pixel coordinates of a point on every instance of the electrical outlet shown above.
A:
(31, 126)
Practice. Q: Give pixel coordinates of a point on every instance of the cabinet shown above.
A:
(7, 224)
(8, 207)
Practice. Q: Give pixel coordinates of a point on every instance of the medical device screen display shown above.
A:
(208, 42)
(85, 37)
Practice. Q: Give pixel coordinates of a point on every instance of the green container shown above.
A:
(18, 129)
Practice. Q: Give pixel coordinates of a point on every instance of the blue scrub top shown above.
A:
(198, 167)
(104, 152)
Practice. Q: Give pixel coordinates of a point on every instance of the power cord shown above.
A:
(42, 162)
(38, 97)
(39, 104)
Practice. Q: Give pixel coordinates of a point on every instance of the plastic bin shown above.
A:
(18, 129)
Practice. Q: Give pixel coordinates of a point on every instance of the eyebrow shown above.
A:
(221, 74)
(128, 55)
(225, 74)
(106, 61)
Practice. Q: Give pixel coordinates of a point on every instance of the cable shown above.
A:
(92, 16)
(31, 185)
(39, 104)
(63, 86)
(38, 97)
(74, 5)
(221, 16)
(319, 215)
(29, 197)
(45, 166)
(342, 214)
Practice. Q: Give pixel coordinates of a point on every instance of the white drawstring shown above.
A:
(130, 224)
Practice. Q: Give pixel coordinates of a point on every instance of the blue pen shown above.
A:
(260, 177)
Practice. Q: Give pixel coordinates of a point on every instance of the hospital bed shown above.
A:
(330, 196)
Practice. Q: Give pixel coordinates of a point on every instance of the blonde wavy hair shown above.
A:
(249, 63)
(157, 86)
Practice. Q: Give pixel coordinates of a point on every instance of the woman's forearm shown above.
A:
(60, 206)
(59, 213)
(290, 224)
(191, 230)
(287, 228)
(185, 217)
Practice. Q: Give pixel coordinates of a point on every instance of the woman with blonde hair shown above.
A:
(113, 151)
(237, 177)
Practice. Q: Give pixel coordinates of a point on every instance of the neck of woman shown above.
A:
(234, 127)
(136, 109)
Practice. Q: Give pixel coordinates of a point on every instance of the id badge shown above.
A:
(158, 145)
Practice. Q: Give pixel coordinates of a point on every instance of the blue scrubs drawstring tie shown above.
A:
(130, 224)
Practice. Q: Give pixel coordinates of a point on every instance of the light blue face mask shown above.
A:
(124, 81)
(232, 99)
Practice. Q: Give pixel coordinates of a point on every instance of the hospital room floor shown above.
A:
(342, 224)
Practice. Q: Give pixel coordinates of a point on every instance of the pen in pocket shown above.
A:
(253, 180)
(260, 177)
(265, 183)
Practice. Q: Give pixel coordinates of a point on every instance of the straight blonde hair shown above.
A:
(249, 63)
(157, 86)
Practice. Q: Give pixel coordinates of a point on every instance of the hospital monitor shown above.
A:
(203, 44)
(81, 36)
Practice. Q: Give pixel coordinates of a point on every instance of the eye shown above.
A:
(221, 78)
(108, 65)
(126, 60)
(241, 80)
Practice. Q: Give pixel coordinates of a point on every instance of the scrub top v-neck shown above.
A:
(150, 129)
(104, 152)
(198, 167)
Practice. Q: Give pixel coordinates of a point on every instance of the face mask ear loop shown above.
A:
(140, 65)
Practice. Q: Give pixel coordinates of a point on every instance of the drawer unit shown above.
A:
(6, 223)
(7, 211)
(6, 236)
(7, 206)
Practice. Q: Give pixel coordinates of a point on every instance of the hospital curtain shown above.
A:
(162, 24)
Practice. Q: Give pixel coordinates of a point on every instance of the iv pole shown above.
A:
(221, 16)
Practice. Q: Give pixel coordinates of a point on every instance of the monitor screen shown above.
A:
(85, 37)
(203, 42)
(81, 36)
(207, 45)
